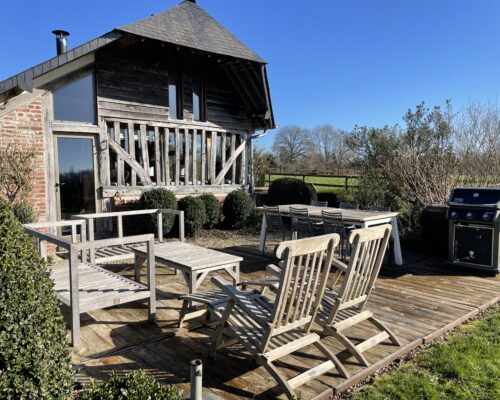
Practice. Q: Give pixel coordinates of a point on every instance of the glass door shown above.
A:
(75, 175)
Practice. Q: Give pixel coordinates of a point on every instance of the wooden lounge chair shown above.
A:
(342, 308)
(271, 331)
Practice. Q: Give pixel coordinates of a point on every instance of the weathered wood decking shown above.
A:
(418, 306)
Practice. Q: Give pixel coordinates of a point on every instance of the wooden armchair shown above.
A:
(273, 330)
(342, 308)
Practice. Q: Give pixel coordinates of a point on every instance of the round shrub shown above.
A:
(34, 356)
(158, 198)
(290, 191)
(194, 214)
(212, 210)
(137, 385)
(236, 208)
(24, 212)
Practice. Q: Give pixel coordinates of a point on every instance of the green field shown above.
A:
(315, 180)
(465, 365)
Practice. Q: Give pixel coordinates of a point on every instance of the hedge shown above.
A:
(34, 355)
(290, 191)
(158, 198)
(194, 214)
(212, 210)
(236, 208)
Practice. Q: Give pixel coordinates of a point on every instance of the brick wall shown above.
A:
(23, 127)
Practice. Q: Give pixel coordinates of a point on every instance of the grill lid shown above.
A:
(476, 197)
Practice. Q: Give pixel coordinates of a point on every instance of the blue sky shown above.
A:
(340, 62)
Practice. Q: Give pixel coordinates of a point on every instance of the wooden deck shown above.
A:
(418, 306)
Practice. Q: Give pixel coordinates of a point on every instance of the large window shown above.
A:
(175, 86)
(199, 101)
(75, 101)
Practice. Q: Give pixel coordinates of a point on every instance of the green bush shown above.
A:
(194, 214)
(158, 198)
(212, 210)
(135, 386)
(34, 356)
(24, 212)
(236, 208)
(290, 191)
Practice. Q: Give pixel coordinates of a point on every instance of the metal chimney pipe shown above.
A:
(196, 379)
(61, 42)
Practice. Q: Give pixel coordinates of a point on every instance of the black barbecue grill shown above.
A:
(474, 228)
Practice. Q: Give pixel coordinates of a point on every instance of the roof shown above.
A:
(187, 24)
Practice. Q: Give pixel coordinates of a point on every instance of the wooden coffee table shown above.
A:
(193, 261)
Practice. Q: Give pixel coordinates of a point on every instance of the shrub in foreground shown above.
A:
(34, 356)
(135, 386)
(194, 214)
(237, 208)
(212, 210)
(290, 191)
(158, 198)
(24, 212)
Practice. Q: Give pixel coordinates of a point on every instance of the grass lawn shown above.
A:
(465, 365)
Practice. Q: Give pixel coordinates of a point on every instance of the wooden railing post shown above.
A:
(83, 239)
(120, 226)
(159, 225)
(91, 240)
(151, 280)
(73, 233)
(181, 226)
(74, 296)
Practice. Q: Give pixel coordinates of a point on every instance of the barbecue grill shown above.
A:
(474, 228)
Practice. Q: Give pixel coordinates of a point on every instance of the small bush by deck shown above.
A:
(194, 214)
(466, 365)
(212, 210)
(237, 208)
(158, 198)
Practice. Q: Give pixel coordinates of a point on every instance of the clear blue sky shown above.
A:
(340, 62)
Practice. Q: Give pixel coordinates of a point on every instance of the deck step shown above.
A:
(310, 374)
(374, 340)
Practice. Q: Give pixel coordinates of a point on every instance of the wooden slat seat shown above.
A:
(98, 288)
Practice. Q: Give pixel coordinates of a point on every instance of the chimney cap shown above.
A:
(60, 33)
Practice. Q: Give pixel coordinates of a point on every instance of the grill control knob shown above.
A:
(469, 215)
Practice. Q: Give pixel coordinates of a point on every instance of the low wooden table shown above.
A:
(193, 261)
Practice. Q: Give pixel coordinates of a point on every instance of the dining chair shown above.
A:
(274, 223)
(378, 208)
(301, 222)
(317, 203)
(348, 206)
(333, 222)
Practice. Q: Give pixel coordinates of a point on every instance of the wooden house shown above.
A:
(173, 100)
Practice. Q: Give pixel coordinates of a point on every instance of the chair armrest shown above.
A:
(242, 300)
(273, 269)
(339, 264)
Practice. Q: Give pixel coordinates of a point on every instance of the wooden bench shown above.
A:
(85, 287)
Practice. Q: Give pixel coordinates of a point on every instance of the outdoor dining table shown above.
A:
(358, 218)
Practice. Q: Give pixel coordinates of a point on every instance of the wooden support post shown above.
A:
(144, 148)
(157, 157)
(120, 226)
(177, 157)
(233, 149)
(166, 147)
(120, 170)
(73, 233)
(243, 166)
(91, 239)
(116, 132)
(223, 153)
(186, 156)
(193, 153)
(151, 280)
(213, 158)
(131, 149)
(74, 296)
(83, 239)
(203, 156)
(181, 226)
(103, 155)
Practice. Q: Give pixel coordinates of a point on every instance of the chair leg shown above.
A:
(350, 346)
(393, 338)
(280, 378)
(182, 314)
(340, 367)
(221, 327)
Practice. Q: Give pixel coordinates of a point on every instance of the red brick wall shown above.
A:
(23, 127)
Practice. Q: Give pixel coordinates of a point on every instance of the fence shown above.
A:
(319, 180)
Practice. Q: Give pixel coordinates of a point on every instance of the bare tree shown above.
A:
(330, 146)
(291, 144)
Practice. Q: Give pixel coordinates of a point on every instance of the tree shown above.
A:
(330, 146)
(262, 160)
(291, 144)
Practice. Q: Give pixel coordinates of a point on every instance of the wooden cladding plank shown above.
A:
(233, 149)
(157, 156)
(231, 162)
(177, 157)
(134, 165)
(131, 149)
(203, 156)
(144, 147)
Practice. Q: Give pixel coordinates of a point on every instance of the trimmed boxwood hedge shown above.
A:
(212, 210)
(289, 191)
(237, 208)
(158, 198)
(194, 214)
(137, 385)
(34, 355)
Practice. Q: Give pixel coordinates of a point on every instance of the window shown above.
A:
(199, 101)
(175, 99)
(75, 101)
